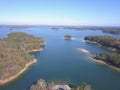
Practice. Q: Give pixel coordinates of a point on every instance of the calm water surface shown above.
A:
(61, 62)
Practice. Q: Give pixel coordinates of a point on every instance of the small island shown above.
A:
(68, 37)
(14, 56)
(55, 28)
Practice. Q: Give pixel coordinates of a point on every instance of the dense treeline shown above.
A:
(42, 85)
(110, 59)
(22, 41)
(105, 41)
(13, 53)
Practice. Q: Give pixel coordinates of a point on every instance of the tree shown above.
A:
(83, 86)
(102, 56)
(116, 60)
(40, 85)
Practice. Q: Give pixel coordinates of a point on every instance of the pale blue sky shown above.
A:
(60, 12)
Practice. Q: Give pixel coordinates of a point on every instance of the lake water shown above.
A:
(61, 62)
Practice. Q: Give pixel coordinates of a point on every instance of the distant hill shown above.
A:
(112, 30)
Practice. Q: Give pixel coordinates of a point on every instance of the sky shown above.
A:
(60, 12)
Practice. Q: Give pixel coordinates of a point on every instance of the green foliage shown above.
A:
(13, 53)
(23, 41)
(83, 86)
(116, 60)
(102, 56)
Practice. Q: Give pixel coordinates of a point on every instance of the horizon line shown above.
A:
(59, 25)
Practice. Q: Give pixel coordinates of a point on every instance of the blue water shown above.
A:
(61, 62)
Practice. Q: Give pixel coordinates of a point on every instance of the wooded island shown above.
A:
(68, 37)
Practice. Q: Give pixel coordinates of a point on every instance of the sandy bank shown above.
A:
(83, 50)
(90, 41)
(19, 73)
(69, 38)
(35, 50)
(73, 38)
(97, 61)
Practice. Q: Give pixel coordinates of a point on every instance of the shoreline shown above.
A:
(95, 60)
(104, 63)
(69, 38)
(83, 50)
(109, 48)
(42, 44)
(2, 82)
(35, 50)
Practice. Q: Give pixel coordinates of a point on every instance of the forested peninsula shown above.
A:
(14, 54)
(108, 41)
(105, 58)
